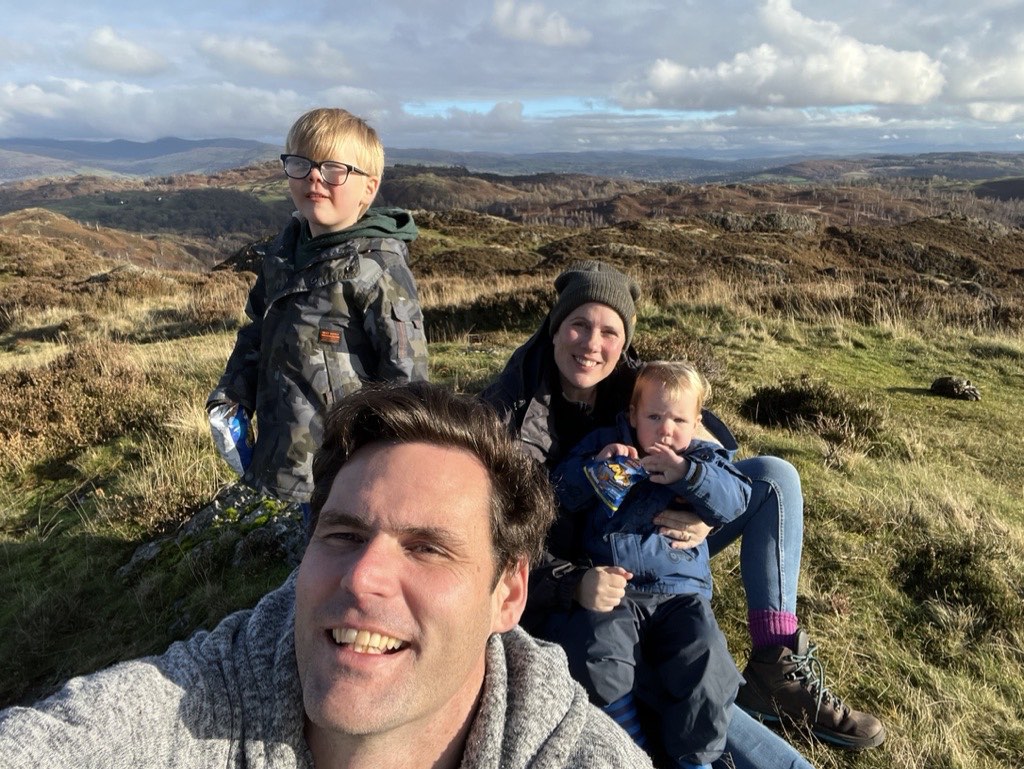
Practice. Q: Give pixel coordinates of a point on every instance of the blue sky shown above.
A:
(731, 77)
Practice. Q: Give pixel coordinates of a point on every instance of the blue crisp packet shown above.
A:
(233, 435)
(613, 478)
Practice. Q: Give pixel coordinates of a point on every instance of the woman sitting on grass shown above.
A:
(576, 374)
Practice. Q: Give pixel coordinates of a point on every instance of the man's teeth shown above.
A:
(365, 642)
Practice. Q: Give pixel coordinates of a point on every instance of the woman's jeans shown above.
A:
(772, 529)
(751, 745)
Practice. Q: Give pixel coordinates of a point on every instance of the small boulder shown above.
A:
(955, 387)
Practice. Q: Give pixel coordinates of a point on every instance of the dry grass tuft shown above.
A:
(964, 582)
(89, 395)
(521, 310)
(217, 304)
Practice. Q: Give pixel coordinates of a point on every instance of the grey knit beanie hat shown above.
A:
(591, 281)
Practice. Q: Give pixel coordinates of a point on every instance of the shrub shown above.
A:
(127, 280)
(844, 423)
(519, 311)
(681, 347)
(8, 315)
(772, 221)
(973, 571)
(218, 303)
(92, 394)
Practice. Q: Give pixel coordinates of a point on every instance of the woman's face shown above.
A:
(588, 345)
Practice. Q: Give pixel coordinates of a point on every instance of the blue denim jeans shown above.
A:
(772, 529)
(752, 745)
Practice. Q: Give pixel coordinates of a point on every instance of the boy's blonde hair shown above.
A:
(322, 133)
(676, 377)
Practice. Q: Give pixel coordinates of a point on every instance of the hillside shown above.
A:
(23, 158)
(820, 313)
(242, 204)
(205, 217)
(34, 158)
(57, 231)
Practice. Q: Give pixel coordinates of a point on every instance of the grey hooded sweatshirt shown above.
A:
(231, 698)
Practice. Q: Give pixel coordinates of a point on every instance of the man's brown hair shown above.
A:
(522, 502)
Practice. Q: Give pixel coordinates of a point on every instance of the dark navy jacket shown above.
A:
(713, 489)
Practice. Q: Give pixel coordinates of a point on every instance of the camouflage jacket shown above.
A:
(350, 314)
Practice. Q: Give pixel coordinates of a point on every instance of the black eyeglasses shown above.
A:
(331, 171)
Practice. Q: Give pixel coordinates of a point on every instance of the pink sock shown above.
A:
(771, 628)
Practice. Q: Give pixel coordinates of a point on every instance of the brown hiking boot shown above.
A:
(788, 684)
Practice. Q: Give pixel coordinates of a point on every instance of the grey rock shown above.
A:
(956, 387)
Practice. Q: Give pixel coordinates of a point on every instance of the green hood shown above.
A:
(375, 223)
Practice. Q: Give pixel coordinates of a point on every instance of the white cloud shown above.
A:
(996, 112)
(805, 63)
(30, 101)
(106, 51)
(772, 116)
(503, 116)
(72, 108)
(739, 74)
(507, 114)
(359, 101)
(532, 22)
(13, 50)
(247, 54)
(981, 70)
(328, 63)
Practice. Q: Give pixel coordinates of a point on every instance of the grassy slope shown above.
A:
(910, 579)
(928, 653)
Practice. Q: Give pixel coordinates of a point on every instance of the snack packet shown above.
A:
(613, 478)
(233, 435)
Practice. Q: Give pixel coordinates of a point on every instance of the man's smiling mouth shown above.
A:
(366, 642)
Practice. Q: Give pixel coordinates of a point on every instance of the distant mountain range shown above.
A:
(48, 158)
(33, 158)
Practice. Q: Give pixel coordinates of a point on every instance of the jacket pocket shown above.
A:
(339, 379)
(407, 318)
(651, 558)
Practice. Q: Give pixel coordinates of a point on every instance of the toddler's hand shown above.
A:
(664, 464)
(602, 588)
(618, 450)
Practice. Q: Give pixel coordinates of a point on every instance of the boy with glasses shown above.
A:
(334, 305)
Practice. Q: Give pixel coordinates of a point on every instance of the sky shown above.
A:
(729, 78)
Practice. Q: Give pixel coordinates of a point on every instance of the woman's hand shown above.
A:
(685, 529)
(602, 588)
(618, 450)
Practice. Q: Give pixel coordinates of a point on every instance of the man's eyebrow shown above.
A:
(341, 518)
(447, 538)
(438, 534)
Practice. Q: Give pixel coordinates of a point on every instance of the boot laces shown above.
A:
(810, 672)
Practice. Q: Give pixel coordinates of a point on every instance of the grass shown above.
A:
(914, 537)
